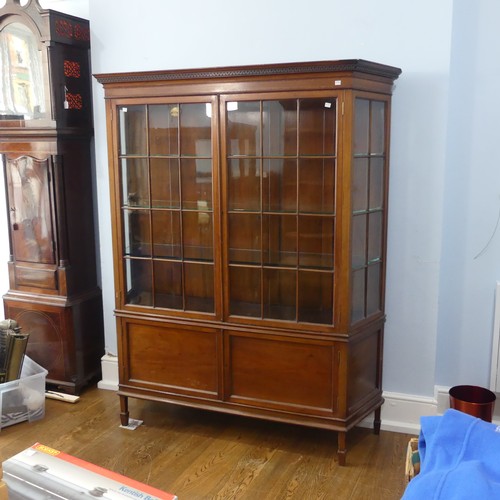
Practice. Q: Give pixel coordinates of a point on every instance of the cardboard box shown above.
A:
(3, 487)
(412, 467)
(41, 473)
(24, 399)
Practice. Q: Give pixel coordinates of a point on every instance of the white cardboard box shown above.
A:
(43, 473)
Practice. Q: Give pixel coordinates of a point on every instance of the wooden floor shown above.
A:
(204, 455)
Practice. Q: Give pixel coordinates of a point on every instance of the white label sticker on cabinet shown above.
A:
(338, 82)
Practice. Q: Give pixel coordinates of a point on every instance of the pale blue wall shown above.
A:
(471, 245)
(127, 36)
(444, 198)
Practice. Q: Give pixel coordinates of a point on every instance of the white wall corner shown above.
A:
(402, 412)
(109, 367)
(442, 395)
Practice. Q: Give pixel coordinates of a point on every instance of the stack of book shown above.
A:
(12, 349)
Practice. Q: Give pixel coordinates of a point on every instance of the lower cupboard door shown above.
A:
(281, 373)
(172, 359)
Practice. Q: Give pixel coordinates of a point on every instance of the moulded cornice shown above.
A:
(353, 65)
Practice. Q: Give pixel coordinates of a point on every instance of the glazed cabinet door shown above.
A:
(280, 184)
(167, 173)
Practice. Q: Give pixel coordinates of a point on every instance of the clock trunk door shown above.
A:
(30, 206)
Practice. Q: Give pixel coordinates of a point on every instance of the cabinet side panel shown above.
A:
(182, 361)
(281, 373)
(364, 370)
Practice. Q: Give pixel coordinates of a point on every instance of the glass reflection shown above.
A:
(199, 287)
(30, 212)
(279, 245)
(317, 127)
(168, 285)
(164, 129)
(360, 185)
(197, 235)
(22, 96)
(135, 182)
(315, 297)
(133, 134)
(359, 240)
(279, 128)
(136, 233)
(373, 292)
(243, 129)
(196, 181)
(139, 278)
(361, 127)
(165, 182)
(244, 184)
(166, 234)
(245, 291)
(316, 235)
(377, 187)
(195, 130)
(358, 295)
(317, 185)
(279, 294)
(245, 238)
(279, 185)
(374, 236)
(377, 128)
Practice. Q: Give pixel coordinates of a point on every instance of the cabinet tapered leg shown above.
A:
(377, 421)
(124, 410)
(342, 450)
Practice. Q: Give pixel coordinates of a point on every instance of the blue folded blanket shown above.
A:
(459, 458)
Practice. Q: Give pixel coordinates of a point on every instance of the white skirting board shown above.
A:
(400, 412)
(109, 368)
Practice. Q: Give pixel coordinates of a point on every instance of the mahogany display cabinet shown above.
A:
(249, 226)
(45, 152)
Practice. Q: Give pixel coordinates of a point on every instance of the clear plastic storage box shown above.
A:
(24, 398)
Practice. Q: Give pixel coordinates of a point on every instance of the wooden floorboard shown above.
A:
(202, 455)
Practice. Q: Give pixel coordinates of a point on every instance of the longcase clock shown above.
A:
(45, 152)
